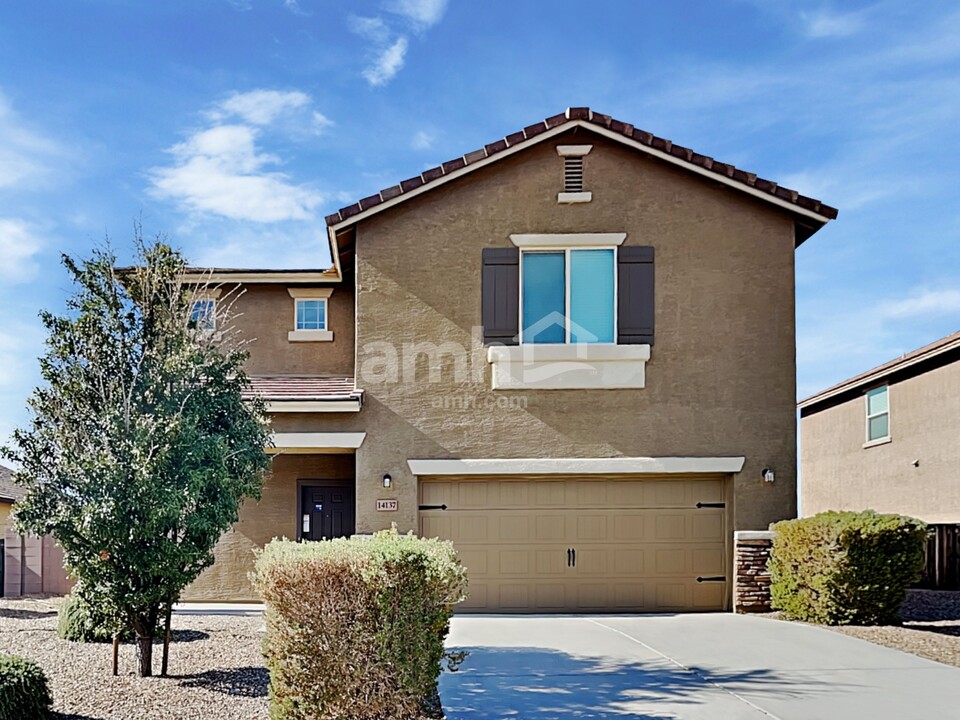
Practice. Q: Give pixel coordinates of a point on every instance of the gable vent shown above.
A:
(573, 174)
(573, 191)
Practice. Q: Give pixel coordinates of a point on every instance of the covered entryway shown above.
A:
(585, 544)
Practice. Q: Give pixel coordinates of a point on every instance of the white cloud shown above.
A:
(924, 302)
(422, 13)
(259, 107)
(422, 140)
(825, 24)
(371, 28)
(26, 156)
(221, 171)
(387, 64)
(18, 244)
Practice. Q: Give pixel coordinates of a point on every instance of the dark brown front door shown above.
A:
(327, 511)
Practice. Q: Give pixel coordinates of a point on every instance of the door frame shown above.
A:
(310, 483)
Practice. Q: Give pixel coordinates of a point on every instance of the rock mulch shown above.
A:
(931, 627)
(216, 670)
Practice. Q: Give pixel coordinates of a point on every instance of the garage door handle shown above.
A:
(432, 507)
(710, 505)
(716, 578)
(574, 551)
(569, 557)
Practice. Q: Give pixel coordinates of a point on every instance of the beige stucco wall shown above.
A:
(721, 381)
(275, 515)
(266, 315)
(5, 510)
(840, 474)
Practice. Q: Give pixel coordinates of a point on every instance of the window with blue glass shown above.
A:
(568, 296)
(203, 314)
(311, 314)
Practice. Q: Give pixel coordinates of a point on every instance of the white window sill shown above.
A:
(878, 441)
(568, 367)
(310, 336)
(566, 198)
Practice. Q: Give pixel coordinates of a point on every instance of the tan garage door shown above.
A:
(584, 544)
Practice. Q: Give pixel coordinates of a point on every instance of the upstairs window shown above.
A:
(568, 296)
(878, 414)
(203, 314)
(311, 314)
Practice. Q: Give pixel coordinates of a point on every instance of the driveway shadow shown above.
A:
(16, 614)
(541, 684)
(243, 681)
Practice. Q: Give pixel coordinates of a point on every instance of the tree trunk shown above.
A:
(144, 626)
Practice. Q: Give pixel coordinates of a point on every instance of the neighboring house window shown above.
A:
(203, 315)
(311, 314)
(568, 296)
(878, 414)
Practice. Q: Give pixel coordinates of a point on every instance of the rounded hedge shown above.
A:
(24, 693)
(845, 568)
(79, 621)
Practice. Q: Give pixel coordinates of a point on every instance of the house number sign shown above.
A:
(387, 505)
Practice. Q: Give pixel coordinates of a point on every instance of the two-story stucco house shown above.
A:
(571, 352)
(887, 439)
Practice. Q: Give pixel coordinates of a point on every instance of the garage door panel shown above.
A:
(640, 543)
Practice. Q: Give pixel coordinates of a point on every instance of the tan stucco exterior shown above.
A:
(916, 473)
(720, 381)
(5, 510)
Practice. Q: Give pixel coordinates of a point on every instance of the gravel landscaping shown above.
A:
(216, 670)
(931, 627)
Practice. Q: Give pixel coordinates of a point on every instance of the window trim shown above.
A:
(296, 314)
(566, 249)
(314, 335)
(868, 441)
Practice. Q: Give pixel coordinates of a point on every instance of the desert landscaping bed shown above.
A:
(931, 627)
(216, 670)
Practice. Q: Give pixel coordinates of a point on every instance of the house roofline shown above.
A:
(931, 352)
(811, 214)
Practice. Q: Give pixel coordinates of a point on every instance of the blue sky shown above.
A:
(234, 126)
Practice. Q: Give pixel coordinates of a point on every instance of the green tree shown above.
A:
(141, 445)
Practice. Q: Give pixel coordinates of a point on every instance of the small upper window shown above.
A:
(878, 414)
(312, 314)
(203, 314)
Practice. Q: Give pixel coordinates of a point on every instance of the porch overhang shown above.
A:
(316, 442)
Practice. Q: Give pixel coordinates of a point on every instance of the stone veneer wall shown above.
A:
(751, 585)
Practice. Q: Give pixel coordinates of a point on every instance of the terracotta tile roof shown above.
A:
(290, 387)
(586, 115)
(8, 491)
(879, 373)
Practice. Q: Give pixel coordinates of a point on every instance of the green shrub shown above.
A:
(355, 627)
(845, 568)
(80, 620)
(24, 694)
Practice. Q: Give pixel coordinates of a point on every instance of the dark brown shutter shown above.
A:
(501, 295)
(635, 295)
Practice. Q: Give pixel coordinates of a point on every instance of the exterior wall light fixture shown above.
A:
(768, 475)
(387, 480)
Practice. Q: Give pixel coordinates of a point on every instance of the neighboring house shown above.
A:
(28, 565)
(888, 439)
(571, 352)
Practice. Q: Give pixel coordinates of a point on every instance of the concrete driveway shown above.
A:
(714, 667)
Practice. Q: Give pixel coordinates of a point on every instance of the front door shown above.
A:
(327, 511)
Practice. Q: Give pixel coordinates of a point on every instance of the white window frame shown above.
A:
(566, 290)
(314, 293)
(296, 313)
(868, 442)
(565, 242)
(204, 295)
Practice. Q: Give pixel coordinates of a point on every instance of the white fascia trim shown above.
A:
(305, 293)
(578, 466)
(566, 198)
(574, 150)
(553, 132)
(266, 278)
(568, 240)
(313, 406)
(310, 336)
(295, 441)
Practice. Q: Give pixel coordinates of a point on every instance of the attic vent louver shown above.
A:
(573, 191)
(573, 174)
